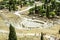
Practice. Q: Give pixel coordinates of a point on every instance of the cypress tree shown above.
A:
(12, 33)
(59, 31)
(41, 36)
(46, 6)
(47, 12)
(10, 3)
(14, 5)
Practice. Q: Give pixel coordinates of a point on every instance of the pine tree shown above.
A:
(12, 33)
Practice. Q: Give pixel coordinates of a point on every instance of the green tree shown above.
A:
(53, 2)
(36, 9)
(41, 36)
(47, 7)
(32, 11)
(14, 5)
(58, 8)
(47, 12)
(10, 3)
(12, 33)
(59, 31)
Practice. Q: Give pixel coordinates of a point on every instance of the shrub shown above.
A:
(3, 3)
(31, 11)
(1, 7)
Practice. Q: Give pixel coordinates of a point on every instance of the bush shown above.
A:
(31, 3)
(3, 3)
(16, 7)
(31, 11)
(7, 6)
(52, 14)
(1, 7)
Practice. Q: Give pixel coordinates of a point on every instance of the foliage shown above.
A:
(12, 33)
(46, 9)
(1, 7)
(31, 11)
(31, 2)
(41, 36)
(12, 5)
(58, 9)
(59, 31)
(52, 14)
(2, 2)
